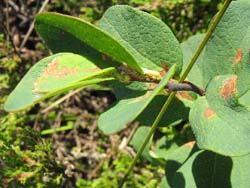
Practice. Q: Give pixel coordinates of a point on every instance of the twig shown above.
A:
(185, 86)
(61, 100)
(33, 24)
(154, 77)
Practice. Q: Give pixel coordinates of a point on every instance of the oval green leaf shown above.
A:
(146, 37)
(219, 121)
(57, 29)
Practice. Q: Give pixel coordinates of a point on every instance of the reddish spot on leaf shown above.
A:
(163, 72)
(209, 113)
(189, 144)
(183, 95)
(238, 56)
(52, 70)
(229, 88)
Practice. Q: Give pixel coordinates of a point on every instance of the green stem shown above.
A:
(209, 32)
(149, 135)
(172, 94)
(58, 129)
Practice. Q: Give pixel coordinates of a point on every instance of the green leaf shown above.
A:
(151, 42)
(226, 50)
(174, 115)
(220, 120)
(188, 47)
(66, 33)
(136, 141)
(208, 169)
(52, 75)
(167, 146)
(222, 54)
(175, 159)
(126, 110)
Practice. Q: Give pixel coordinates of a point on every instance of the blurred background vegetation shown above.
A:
(59, 145)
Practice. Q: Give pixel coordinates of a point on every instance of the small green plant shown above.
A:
(140, 60)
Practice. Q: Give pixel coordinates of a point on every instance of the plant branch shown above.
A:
(209, 32)
(128, 74)
(172, 94)
(185, 86)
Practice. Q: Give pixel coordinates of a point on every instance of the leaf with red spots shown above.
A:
(220, 119)
(55, 74)
(227, 52)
